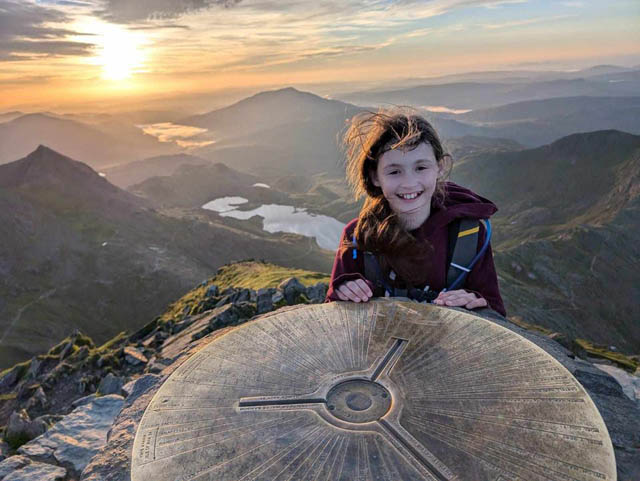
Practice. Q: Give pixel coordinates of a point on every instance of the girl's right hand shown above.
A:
(354, 291)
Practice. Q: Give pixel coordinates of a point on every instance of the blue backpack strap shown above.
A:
(463, 269)
(465, 247)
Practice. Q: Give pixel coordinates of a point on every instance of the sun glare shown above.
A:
(121, 54)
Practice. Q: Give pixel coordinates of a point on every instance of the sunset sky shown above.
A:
(56, 52)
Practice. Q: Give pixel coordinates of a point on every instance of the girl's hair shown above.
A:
(370, 135)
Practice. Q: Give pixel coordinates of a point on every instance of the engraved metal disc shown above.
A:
(385, 390)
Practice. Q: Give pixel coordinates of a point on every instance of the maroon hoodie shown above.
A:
(432, 269)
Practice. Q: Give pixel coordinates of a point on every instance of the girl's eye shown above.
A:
(393, 172)
(422, 167)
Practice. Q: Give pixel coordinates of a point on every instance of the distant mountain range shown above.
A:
(566, 234)
(78, 252)
(482, 93)
(106, 147)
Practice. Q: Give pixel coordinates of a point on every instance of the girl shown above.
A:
(403, 231)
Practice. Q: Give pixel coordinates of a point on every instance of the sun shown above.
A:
(121, 54)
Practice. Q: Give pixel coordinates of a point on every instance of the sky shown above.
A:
(58, 52)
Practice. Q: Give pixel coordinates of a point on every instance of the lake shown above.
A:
(283, 218)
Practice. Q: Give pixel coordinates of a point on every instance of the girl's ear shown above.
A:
(373, 176)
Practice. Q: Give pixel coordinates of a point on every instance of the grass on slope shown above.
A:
(247, 275)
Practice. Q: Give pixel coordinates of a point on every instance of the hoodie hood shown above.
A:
(458, 202)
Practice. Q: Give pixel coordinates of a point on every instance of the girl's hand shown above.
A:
(460, 298)
(355, 291)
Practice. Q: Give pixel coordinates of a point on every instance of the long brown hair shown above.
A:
(369, 135)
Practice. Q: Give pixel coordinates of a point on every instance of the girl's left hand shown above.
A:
(460, 298)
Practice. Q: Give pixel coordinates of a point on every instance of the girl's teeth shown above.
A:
(408, 196)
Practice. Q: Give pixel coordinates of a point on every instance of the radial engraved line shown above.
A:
(311, 368)
(274, 437)
(289, 326)
(328, 329)
(342, 310)
(396, 348)
(335, 450)
(268, 463)
(317, 458)
(412, 451)
(312, 445)
(427, 357)
(282, 336)
(503, 452)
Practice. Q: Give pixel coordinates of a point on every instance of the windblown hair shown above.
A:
(368, 137)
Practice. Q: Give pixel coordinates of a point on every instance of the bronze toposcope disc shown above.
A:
(385, 390)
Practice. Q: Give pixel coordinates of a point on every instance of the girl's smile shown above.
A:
(408, 180)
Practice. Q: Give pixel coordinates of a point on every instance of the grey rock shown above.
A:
(277, 297)
(38, 471)
(225, 316)
(83, 400)
(113, 461)
(224, 300)
(111, 384)
(241, 295)
(133, 356)
(317, 293)
(38, 399)
(21, 468)
(12, 464)
(66, 350)
(21, 428)
(4, 451)
(128, 388)
(78, 436)
(34, 368)
(291, 288)
(630, 383)
(10, 378)
(212, 291)
(264, 300)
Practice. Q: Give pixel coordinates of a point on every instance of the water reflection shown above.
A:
(284, 218)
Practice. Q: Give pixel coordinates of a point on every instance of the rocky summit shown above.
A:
(72, 413)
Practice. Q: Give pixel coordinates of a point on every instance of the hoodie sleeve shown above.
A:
(345, 267)
(483, 280)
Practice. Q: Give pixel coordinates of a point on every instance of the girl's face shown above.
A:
(408, 180)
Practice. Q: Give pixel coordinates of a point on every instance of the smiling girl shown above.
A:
(402, 241)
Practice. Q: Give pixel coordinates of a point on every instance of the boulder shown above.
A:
(111, 384)
(10, 378)
(225, 316)
(317, 293)
(212, 291)
(291, 288)
(133, 356)
(113, 462)
(21, 429)
(630, 383)
(21, 468)
(38, 400)
(4, 451)
(83, 400)
(264, 300)
(75, 439)
(12, 464)
(34, 368)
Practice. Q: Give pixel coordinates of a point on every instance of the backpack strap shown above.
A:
(463, 234)
(373, 272)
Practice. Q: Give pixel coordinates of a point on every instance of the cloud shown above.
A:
(528, 21)
(128, 11)
(26, 31)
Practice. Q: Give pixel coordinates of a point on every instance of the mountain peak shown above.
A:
(46, 166)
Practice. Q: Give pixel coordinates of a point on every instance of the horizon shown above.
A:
(89, 55)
